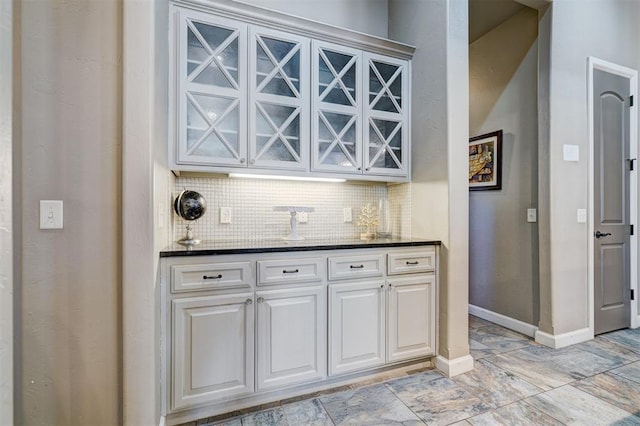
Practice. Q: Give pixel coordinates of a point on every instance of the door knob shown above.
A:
(599, 234)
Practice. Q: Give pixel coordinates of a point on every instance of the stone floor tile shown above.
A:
(631, 372)
(516, 414)
(372, 405)
(439, 401)
(475, 322)
(575, 407)
(614, 389)
(309, 413)
(550, 368)
(272, 417)
(499, 338)
(609, 349)
(629, 338)
(494, 385)
(478, 350)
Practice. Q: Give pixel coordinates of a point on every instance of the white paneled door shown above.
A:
(212, 348)
(356, 326)
(291, 345)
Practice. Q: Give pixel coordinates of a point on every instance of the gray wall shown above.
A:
(6, 227)
(69, 129)
(608, 30)
(365, 16)
(440, 93)
(503, 249)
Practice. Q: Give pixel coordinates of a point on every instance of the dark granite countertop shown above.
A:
(208, 248)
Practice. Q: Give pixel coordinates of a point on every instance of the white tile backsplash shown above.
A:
(252, 200)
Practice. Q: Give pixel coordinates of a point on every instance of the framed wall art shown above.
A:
(485, 162)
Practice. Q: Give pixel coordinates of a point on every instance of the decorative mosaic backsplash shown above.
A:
(252, 201)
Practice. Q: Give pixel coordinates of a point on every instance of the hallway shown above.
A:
(515, 382)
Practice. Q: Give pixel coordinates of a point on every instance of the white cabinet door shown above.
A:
(356, 326)
(212, 348)
(211, 90)
(386, 133)
(337, 108)
(412, 331)
(291, 344)
(279, 100)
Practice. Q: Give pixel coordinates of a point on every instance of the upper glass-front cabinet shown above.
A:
(337, 108)
(211, 90)
(387, 115)
(247, 96)
(279, 100)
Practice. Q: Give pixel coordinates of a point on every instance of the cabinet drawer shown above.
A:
(273, 272)
(211, 276)
(411, 262)
(341, 268)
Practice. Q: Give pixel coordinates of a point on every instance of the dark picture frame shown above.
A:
(485, 162)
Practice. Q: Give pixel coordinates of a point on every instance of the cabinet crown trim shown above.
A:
(302, 26)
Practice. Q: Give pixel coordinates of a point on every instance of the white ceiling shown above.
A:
(485, 15)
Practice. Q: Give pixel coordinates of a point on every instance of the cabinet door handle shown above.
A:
(260, 299)
(248, 301)
(390, 285)
(290, 271)
(413, 263)
(381, 285)
(356, 266)
(242, 160)
(212, 277)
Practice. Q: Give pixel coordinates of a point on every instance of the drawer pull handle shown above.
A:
(260, 299)
(248, 301)
(413, 263)
(212, 277)
(356, 266)
(290, 271)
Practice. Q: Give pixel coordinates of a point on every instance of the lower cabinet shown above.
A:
(291, 336)
(411, 322)
(212, 354)
(376, 322)
(244, 329)
(356, 326)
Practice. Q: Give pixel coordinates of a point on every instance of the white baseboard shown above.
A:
(503, 320)
(453, 367)
(163, 421)
(563, 340)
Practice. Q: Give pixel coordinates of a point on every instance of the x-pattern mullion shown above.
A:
(278, 67)
(385, 86)
(337, 77)
(385, 143)
(213, 125)
(279, 132)
(213, 54)
(337, 138)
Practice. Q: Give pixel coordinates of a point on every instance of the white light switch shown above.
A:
(303, 217)
(51, 214)
(571, 153)
(532, 215)
(582, 215)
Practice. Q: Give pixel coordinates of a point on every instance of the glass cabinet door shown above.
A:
(387, 115)
(211, 92)
(279, 100)
(337, 108)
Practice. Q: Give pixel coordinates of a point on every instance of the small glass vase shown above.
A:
(384, 219)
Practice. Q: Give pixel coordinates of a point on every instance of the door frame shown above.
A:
(599, 64)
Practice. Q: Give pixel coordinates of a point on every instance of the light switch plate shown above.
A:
(532, 215)
(51, 214)
(582, 215)
(303, 217)
(571, 153)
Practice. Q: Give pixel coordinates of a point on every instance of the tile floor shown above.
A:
(515, 382)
